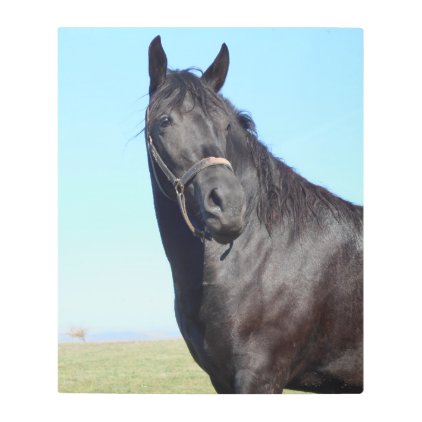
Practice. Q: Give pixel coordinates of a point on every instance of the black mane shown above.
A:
(284, 195)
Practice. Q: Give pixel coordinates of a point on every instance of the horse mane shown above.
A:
(284, 195)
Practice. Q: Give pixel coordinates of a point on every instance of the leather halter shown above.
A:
(179, 184)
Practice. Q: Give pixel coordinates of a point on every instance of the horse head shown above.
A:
(188, 130)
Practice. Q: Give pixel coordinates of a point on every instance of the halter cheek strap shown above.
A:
(179, 184)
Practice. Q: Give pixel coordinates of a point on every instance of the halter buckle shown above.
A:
(179, 187)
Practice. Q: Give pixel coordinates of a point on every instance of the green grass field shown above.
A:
(160, 367)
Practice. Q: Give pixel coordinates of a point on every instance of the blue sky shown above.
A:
(303, 88)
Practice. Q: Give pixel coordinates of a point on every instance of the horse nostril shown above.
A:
(214, 200)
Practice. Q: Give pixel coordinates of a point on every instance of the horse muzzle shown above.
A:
(223, 204)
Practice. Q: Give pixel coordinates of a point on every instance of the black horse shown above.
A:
(267, 267)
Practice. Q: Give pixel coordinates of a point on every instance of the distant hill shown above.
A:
(122, 336)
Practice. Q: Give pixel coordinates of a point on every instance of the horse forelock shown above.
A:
(179, 85)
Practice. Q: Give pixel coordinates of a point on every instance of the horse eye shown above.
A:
(165, 121)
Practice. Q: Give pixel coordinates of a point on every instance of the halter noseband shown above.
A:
(179, 184)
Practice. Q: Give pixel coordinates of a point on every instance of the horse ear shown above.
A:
(157, 64)
(216, 74)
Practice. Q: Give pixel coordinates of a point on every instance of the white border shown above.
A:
(28, 170)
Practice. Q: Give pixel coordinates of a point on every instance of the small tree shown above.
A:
(78, 333)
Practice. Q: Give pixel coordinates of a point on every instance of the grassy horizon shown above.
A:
(131, 367)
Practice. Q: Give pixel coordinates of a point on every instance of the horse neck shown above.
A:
(183, 250)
